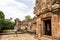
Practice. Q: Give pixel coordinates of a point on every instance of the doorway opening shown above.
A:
(47, 27)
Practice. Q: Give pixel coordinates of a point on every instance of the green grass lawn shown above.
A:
(10, 31)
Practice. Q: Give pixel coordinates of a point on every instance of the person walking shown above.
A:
(15, 31)
(16, 28)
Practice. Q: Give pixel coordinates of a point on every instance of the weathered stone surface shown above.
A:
(44, 6)
(47, 10)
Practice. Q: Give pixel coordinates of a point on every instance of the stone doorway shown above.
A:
(47, 27)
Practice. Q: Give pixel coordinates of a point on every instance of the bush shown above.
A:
(7, 25)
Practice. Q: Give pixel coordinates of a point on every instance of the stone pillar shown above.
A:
(58, 27)
(55, 25)
(37, 27)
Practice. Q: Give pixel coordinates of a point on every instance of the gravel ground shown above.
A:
(20, 37)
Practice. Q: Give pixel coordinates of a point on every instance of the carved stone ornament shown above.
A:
(44, 6)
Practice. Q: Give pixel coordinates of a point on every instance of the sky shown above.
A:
(17, 8)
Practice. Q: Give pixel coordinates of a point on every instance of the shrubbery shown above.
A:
(4, 24)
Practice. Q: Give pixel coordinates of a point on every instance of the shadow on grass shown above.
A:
(8, 32)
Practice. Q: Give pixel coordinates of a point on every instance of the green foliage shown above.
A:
(2, 16)
(16, 20)
(11, 18)
(8, 24)
(28, 17)
(1, 23)
(5, 23)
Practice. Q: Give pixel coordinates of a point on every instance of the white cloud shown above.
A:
(14, 9)
(30, 12)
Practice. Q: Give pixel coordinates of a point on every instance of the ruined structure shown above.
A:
(33, 24)
(48, 19)
(18, 25)
(25, 24)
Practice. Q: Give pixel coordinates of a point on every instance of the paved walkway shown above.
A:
(20, 37)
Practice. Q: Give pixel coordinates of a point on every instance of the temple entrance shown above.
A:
(47, 27)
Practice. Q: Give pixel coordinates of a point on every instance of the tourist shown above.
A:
(15, 31)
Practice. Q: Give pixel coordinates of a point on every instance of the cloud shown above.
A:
(15, 9)
(30, 12)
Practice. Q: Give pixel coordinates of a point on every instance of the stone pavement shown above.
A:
(20, 37)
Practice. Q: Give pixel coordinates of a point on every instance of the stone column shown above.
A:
(58, 26)
(37, 27)
(55, 22)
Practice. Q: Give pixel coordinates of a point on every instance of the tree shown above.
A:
(8, 24)
(5, 23)
(28, 17)
(2, 16)
(16, 20)
(11, 18)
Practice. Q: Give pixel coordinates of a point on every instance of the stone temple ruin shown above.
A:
(47, 19)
